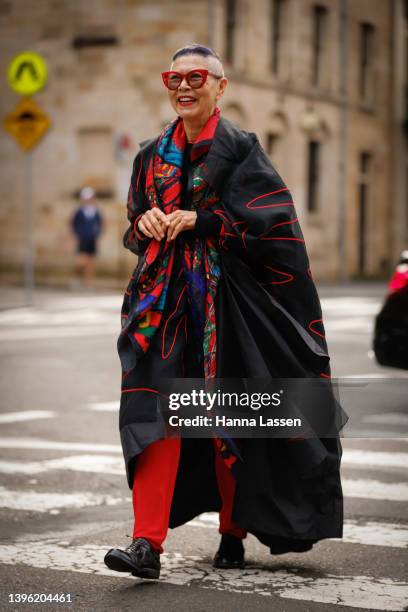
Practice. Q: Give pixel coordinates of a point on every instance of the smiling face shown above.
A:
(196, 105)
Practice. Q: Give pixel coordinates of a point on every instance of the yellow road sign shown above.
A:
(27, 73)
(27, 123)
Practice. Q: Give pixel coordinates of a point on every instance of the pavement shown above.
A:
(64, 498)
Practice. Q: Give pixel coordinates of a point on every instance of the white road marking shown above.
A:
(355, 488)
(26, 415)
(374, 489)
(54, 317)
(387, 376)
(374, 459)
(105, 406)
(373, 533)
(360, 325)
(38, 333)
(369, 533)
(65, 304)
(374, 434)
(350, 305)
(46, 502)
(188, 570)
(387, 418)
(351, 458)
(38, 444)
(79, 463)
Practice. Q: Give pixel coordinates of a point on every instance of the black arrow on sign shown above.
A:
(26, 66)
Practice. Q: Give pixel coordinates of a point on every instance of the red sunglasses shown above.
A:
(195, 78)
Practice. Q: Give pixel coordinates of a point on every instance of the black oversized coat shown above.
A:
(269, 324)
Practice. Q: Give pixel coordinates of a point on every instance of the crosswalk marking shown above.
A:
(368, 533)
(38, 444)
(387, 418)
(79, 463)
(44, 502)
(374, 489)
(374, 459)
(349, 457)
(364, 592)
(105, 406)
(350, 305)
(26, 415)
(38, 333)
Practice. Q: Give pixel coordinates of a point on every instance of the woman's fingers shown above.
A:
(161, 216)
(180, 220)
(143, 229)
(153, 221)
(149, 226)
(175, 228)
(174, 219)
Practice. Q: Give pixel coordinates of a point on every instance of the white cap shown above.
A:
(87, 193)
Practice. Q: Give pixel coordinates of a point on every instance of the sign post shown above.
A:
(27, 123)
(29, 250)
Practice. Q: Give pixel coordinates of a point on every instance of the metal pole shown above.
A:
(341, 233)
(211, 23)
(28, 224)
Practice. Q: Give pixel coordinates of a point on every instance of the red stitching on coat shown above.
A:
(263, 195)
(141, 389)
(221, 213)
(138, 176)
(281, 223)
(135, 230)
(313, 330)
(288, 280)
(164, 356)
(283, 238)
(243, 237)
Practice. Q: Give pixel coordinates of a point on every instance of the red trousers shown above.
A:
(153, 486)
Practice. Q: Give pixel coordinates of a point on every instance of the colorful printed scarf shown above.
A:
(200, 261)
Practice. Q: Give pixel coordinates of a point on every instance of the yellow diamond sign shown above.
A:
(27, 73)
(27, 123)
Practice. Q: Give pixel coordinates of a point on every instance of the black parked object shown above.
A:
(390, 341)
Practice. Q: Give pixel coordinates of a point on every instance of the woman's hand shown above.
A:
(154, 224)
(179, 221)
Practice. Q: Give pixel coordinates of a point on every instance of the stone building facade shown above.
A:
(322, 84)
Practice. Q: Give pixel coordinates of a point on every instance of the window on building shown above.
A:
(363, 202)
(276, 10)
(230, 29)
(313, 175)
(367, 41)
(81, 42)
(319, 38)
(271, 140)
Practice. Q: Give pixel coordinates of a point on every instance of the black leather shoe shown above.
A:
(139, 558)
(230, 554)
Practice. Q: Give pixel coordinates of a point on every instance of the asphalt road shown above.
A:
(64, 499)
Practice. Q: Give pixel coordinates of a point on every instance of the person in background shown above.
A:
(87, 225)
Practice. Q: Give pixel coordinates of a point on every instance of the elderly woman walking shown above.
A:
(222, 288)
